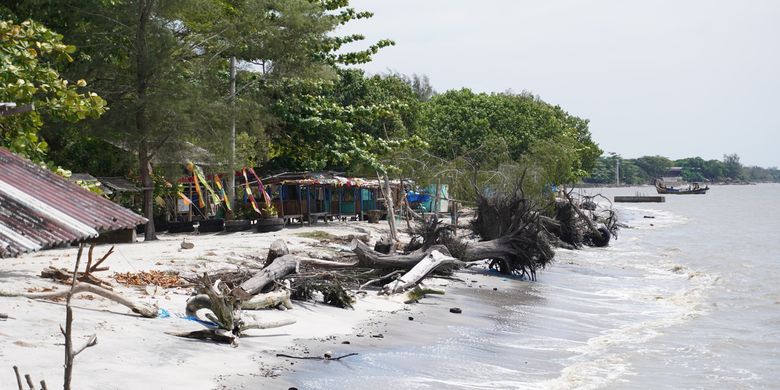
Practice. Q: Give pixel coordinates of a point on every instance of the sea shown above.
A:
(687, 297)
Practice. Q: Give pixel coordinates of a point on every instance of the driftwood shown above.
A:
(267, 300)
(278, 269)
(278, 249)
(138, 308)
(369, 258)
(225, 313)
(422, 269)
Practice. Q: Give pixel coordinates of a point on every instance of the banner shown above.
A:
(214, 198)
(249, 192)
(261, 187)
(221, 191)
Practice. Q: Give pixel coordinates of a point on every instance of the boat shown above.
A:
(691, 189)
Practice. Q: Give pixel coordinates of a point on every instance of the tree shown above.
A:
(653, 166)
(456, 122)
(346, 124)
(29, 56)
(732, 168)
(161, 64)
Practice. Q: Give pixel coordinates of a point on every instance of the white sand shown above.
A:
(134, 352)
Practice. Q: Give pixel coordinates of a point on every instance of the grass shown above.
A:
(317, 235)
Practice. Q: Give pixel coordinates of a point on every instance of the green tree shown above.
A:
(29, 56)
(345, 124)
(653, 167)
(732, 168)
(458, 121)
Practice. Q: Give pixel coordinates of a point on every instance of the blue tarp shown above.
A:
(414, 197)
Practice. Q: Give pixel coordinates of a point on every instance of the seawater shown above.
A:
(687, 298)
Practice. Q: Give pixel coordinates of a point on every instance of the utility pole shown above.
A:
(232, 168)
(617, 172)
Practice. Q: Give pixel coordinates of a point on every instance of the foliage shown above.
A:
(343, 124)
(29, 56)
(457, 122)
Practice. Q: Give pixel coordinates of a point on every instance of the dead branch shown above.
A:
(138, 308)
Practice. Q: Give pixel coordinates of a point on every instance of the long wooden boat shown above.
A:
(691, 189)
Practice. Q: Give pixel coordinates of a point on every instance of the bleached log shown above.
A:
(268, 300)
(279, 268)
(427, 265)
(251, 322)
(369, 258)
(138, 308)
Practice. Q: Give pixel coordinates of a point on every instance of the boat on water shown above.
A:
(690, 189)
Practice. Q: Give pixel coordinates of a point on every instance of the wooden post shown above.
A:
(300, 201)
(436, 200)
(281, 200)
(359, 200)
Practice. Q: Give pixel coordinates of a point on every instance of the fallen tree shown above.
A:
(420, 271)
(369, 258)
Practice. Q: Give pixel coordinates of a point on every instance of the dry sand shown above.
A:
(136, 353)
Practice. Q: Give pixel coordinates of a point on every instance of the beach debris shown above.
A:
(325, 356)
(87, 276)
(455, 310)
(188, 245)
(164, 279)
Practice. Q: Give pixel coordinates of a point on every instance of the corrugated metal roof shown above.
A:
(39, 209)
(119, 184)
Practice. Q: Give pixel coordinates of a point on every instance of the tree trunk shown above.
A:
(142, 126)
(427, 265)
(278, 249)
(279, 268)
(370, 258)
(232, 166)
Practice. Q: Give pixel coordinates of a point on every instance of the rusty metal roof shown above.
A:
(39, 209)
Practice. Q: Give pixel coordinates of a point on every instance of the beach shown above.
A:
(136, 352)
(676, 301)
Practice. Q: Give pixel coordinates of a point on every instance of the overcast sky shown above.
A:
(673, 78)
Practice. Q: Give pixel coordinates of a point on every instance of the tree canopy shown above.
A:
(30, 55)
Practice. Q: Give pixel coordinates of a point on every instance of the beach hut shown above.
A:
(304, 196)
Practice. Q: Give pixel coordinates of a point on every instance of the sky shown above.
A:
(678, 78)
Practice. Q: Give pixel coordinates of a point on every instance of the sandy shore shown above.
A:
(134, 352)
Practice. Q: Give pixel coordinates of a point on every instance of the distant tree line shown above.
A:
(644, 170)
